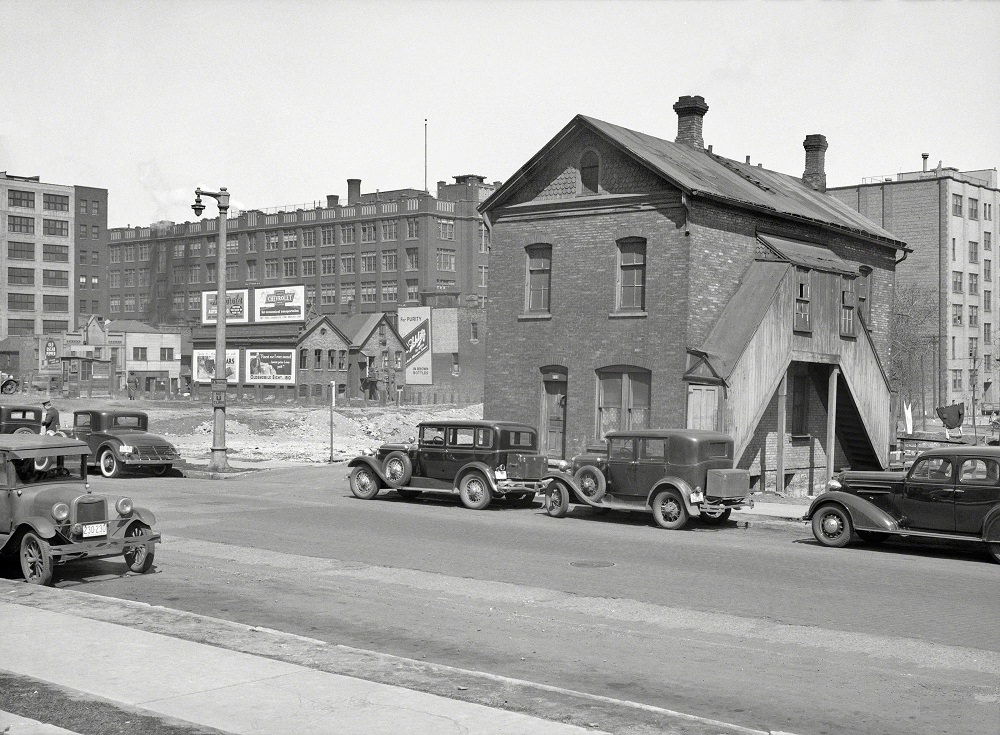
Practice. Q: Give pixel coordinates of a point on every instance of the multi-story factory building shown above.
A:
(377, 252)
(947, 301)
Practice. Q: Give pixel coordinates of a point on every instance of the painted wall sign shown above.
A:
(237, 308)
(271, 367)
(204, 366)
(415, 327)
(279, 304)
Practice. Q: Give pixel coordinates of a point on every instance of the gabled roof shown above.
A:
(323, 320)
(131, 325)
(357, 328)
(699, 173)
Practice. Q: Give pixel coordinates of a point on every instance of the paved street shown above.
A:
(607, 617)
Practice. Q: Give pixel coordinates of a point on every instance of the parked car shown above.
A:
(671, 473)
(120, 440)
(19, 419)
(51, 517)
(8, 383)
(948, 493)
(479, 460)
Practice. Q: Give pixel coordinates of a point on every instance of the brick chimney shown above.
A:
(353, 192)
(690, 111)
(815, 173)
(332, 200)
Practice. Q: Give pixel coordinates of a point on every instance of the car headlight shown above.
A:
(833, 484)
(60, 512)
(124, 506)
(126, 449)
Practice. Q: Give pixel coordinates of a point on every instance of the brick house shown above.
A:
(658, 284)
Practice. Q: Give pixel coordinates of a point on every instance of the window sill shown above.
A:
(627, 315)
(528, 317)
(800, 438)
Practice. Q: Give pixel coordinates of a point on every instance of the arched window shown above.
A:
(538, 278)
(590, 170)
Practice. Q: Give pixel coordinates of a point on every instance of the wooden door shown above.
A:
(703, 407)
(554, 419)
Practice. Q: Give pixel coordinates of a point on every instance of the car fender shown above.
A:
(675, 483)
(372, 463)
(991, 525)
(145, 515)
(864, 515)
(42, 527)
(570, 481)
(481, 467)
(108, 445)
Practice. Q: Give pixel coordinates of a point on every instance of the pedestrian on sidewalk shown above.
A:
(133, 385)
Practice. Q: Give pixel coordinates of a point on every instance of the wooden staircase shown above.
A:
(850, 428)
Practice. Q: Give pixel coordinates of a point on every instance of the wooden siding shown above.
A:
(774, 345)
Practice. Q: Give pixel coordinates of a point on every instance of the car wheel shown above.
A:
(36, 559)
(397, 469)
(408, 494)
(715, 517)
(592, 482)
(558, 505)
(474, 491)
(9, 387)
(109, 464)
(871, 537)
(138, 558)
(364, 482)
(24, 430)
(669, 511)
(831, 526)
(994, 548)
(161, 469)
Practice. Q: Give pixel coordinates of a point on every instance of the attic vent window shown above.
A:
(590, 169)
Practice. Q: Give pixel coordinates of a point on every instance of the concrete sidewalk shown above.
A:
(227, 690)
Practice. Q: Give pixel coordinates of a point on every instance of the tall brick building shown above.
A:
(656, 284)
(946, 216)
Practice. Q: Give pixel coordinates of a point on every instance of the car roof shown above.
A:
(23, 446)
(19, 407)
(665, 433)
(480, 423)
(964, 449)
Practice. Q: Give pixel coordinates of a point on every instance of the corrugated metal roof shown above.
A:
(807, 255)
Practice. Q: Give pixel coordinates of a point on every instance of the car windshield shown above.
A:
(66, 468)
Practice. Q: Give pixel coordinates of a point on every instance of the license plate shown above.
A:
(697, 497)
(95, 529)
(500, 474)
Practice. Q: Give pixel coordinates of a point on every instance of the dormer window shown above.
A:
(590, 169)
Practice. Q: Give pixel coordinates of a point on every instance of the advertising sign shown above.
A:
(204, 366)
(271, 367)
(50, 354)
(237, 311)
(415, 327)
(279, 304)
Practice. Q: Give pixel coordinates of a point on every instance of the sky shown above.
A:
(282, 102)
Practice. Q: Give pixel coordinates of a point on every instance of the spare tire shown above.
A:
(397, 469)
(592, 482)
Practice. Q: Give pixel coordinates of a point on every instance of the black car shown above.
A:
(479, 460)
(120, 440)
(948, 493)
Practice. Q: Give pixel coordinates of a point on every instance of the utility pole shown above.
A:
(974, 359)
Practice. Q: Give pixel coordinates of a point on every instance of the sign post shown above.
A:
(333, 402)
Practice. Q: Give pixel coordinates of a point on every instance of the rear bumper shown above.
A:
(521, 486)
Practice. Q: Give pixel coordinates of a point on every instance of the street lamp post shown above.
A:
(218, 461)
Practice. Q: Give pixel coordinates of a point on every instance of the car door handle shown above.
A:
(959, 492)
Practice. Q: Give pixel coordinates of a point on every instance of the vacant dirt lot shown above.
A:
(275, 433)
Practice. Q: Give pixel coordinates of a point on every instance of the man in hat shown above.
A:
(50, 418)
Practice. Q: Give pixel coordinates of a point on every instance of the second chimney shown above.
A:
(815, 173)
(690, 111)
(332, 200)
(353, 192)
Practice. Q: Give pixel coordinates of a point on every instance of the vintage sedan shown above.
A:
(671, 473)
(51, 517)
(120, 439)
(947, 493)
(478, 460)
(19, 419)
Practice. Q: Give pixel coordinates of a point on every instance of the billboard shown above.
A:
(271, 367)
(204, 365)
(415, 328)
(237, 307)
(279, 304)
